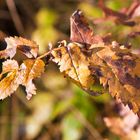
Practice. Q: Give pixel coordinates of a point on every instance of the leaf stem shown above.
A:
(44, 55)
(49, 52)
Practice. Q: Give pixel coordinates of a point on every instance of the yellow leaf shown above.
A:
(10, 83)
(9, 65)
(31, 69)
(73, 63)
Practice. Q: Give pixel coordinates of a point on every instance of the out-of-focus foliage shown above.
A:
(60, 110)
(46, 32)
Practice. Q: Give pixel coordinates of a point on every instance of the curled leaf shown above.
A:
(80, 30)
(73, 63)
(23, 75)
(31, 69)
(10, 83)
(27, 47)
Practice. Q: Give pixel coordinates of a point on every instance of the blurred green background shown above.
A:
(60, 110)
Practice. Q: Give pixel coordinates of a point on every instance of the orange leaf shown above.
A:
(31, 69)
(10, 83)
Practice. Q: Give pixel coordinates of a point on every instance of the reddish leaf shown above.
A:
(80, 30)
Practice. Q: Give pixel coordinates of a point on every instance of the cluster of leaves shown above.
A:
(88, 59)
(12, 74)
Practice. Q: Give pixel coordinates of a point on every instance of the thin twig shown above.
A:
(15, 16)
(90, 92)
(95, 134)
(48, 53)
(44, 55)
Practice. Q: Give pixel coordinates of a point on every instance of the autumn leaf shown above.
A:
(9, 83)
(31, 69)
(114, 66)
(125, 68)
(80, 30)
(75, 62)
(23, 75)
(87, 60)
(27, 47)
(72, 64)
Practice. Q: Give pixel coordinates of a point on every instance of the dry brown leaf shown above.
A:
(10, 83)
(23, 75)
(124, 82)
(80, 30)
(117, 126)
(74, 64)
(112, 65)
(31, 69)
(27, 47)
(108, 64)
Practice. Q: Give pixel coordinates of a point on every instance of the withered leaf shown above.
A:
(23, 75)
(80, 30)
(74, 64)
(124, 82)
(31, 69)
(27, 47)
(10, 83)
(113, 66)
